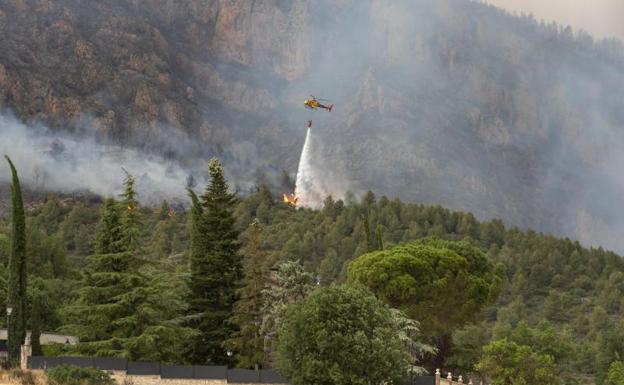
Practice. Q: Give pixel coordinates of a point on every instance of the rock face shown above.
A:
(439, 101)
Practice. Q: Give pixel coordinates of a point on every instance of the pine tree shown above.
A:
(16, 296)
(215, 268)
(196, 220)
(109, 236)
(248, 342)
(120, 310)
(131, 218)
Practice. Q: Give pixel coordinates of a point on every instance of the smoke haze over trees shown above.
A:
(449, 102)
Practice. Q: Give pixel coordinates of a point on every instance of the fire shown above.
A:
(290, 199)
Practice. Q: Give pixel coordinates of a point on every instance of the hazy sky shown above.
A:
(601, 18)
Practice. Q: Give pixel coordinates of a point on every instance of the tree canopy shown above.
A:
(442, 284)
(507, 363)
(341, 335)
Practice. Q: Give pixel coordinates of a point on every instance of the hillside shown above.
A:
(446, 102)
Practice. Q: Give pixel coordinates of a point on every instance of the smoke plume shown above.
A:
(52, 161)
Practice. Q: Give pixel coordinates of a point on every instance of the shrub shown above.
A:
(74, 375)
(55, 349)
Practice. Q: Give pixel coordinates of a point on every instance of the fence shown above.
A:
(450, 380)
(155, 371)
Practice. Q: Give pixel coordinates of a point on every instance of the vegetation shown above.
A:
(216, 268)
(23, 377)
(507, 363)
(16, 292)
(120, 310)
(143, 302)
(248, 340)
(74, 375)
(291, 285)
(341, 335)
(443, 284)
(615, 376)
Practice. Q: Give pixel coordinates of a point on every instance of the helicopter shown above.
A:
(315, 104)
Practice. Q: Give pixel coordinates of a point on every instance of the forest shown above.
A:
(130, 280)
(448, 102)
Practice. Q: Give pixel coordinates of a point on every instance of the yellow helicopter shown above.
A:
(315, 104)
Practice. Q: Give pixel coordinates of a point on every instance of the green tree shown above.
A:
(45, 254)
(341, 335)
(124, 312)
(468, 343)
(215, 268)
(544, 338)
(36, 322)
(507, 363)
(292, 283)
(109, 234)
(17, 297)
(247, 342)
(615, 375)
(79, 228)
(131, 218)
(610, 348)
(442, 284)
(121, 310)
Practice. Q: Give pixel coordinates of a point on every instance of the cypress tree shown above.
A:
(248, 342)
(215, 268)
(36, 321)
(16, 295)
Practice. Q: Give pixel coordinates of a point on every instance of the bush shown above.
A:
(55, 349)
(74, 375)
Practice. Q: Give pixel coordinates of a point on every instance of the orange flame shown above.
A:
(290, 199)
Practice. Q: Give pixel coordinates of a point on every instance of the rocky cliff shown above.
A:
(440, 101)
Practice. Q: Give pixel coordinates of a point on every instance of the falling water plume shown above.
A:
(305, 189)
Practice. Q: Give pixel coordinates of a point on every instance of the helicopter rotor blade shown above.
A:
(320, 99)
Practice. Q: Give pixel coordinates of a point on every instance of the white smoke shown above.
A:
(47, 161)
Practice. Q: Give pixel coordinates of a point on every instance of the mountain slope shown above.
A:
(448, 102)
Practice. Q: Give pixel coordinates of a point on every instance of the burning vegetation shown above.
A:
(290, 199)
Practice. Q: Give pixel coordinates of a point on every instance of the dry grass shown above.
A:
(19, 377)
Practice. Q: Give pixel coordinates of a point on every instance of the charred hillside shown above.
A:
(449, 102)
